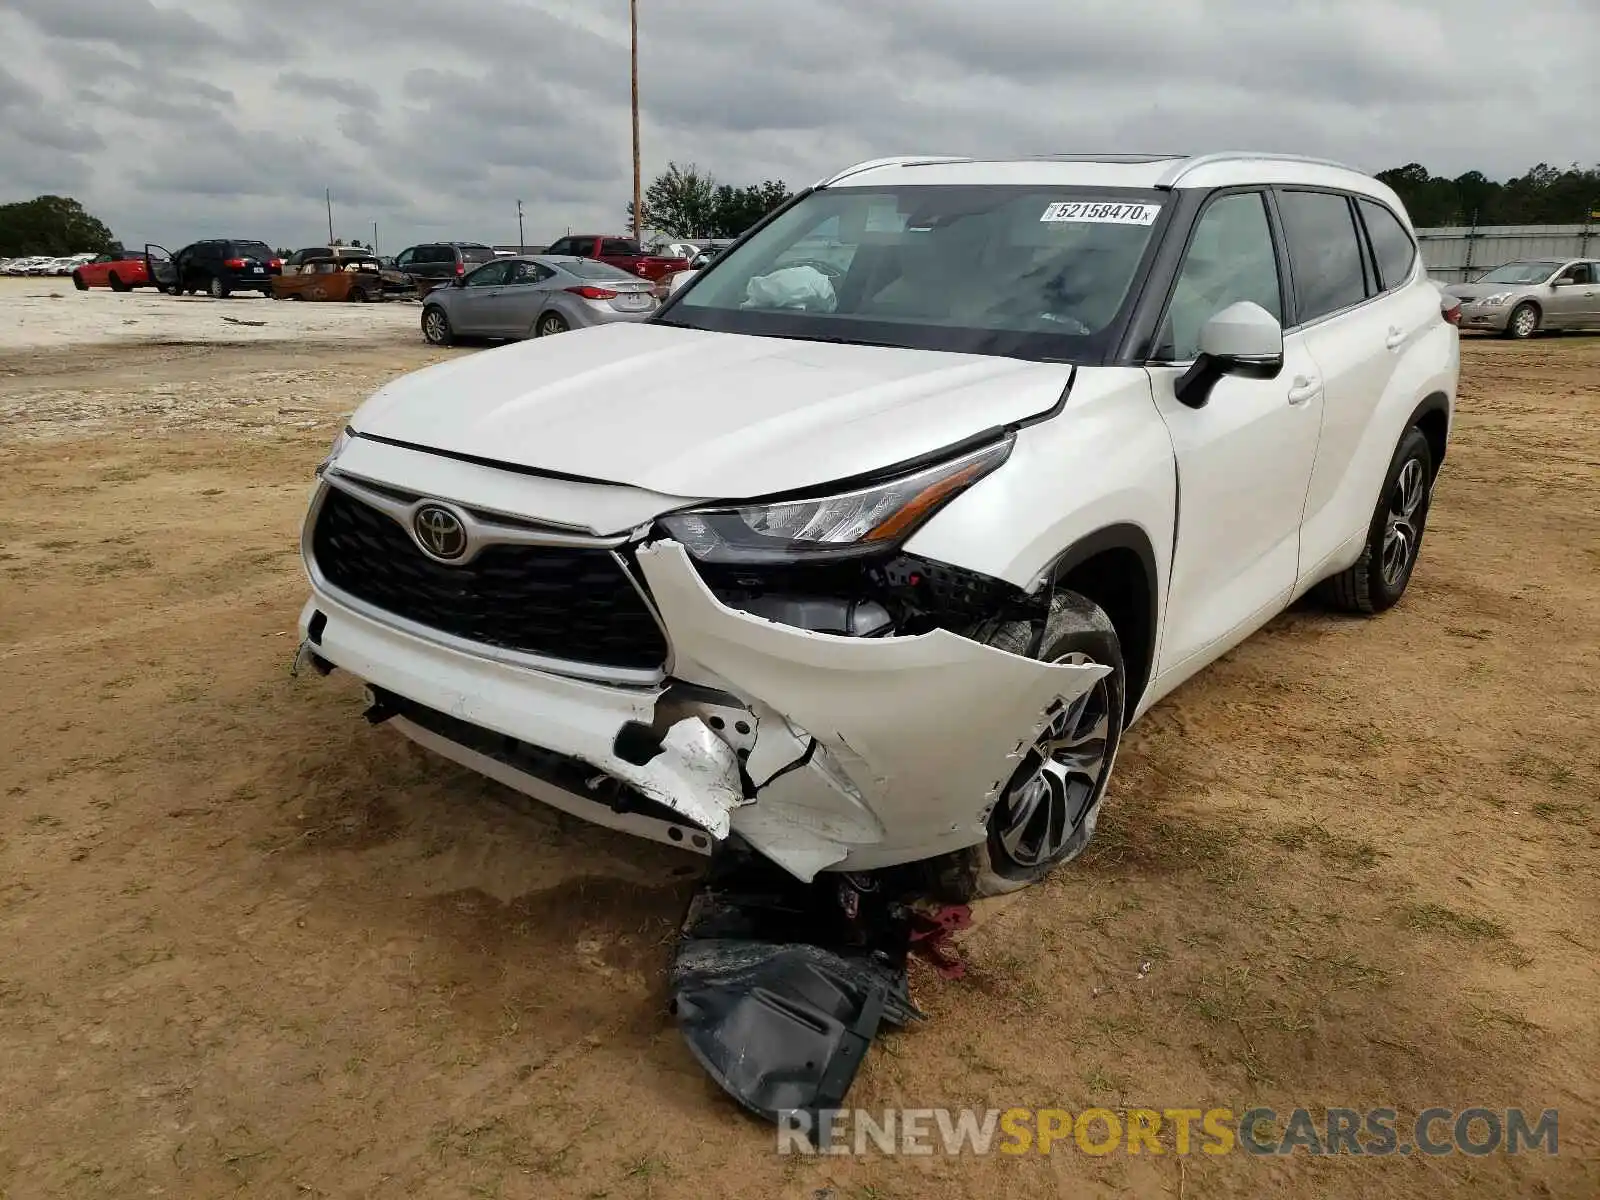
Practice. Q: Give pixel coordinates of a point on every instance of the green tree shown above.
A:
(684, 202)
(680, 202)
(1544, 195)
(51, 225)
(739, 208)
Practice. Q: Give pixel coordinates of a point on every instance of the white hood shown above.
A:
(690, 413)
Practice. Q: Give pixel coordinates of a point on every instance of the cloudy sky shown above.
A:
(177, 119)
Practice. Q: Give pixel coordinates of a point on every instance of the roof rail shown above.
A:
(1179, 169)
(903, 160)
(1124, 158)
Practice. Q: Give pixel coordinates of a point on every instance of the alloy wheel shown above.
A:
(434, 326)
(1060, 777)
(1525, 321)
(1401, 534)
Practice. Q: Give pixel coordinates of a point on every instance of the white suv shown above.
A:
(870, 544)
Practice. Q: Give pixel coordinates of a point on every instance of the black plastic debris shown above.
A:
(780, 986)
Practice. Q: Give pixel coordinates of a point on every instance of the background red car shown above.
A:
(622, 253)
(121, 272)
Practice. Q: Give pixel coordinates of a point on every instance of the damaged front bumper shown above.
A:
(821, 751)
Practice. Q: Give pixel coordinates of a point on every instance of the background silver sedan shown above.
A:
(1521, 298)
(534, 296)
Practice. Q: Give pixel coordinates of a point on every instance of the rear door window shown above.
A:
(529, 272)
(1324, 252)
(1391, 244)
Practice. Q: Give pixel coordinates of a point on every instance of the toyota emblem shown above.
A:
(439, 532)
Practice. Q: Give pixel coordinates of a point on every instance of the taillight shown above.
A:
(461, 268)
(1450, 308)
(593, 293)
(233, 264)
(276, 262)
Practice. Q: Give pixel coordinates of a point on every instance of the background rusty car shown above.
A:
(337, 275)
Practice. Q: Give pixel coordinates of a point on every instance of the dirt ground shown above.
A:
(47, 311)
(251, 946)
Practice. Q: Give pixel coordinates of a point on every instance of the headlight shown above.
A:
(1497, 298)
(339, 443)
(848, 525)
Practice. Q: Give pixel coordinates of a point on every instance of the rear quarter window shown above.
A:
(1391, 244)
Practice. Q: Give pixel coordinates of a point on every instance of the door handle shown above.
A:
(1396, 337)
(1304, 388)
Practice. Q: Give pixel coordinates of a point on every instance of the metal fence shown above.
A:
(1457, 253)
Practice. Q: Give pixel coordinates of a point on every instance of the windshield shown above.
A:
(1520, 272)
(1031, 272)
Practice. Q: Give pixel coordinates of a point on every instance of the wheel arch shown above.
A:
(1432, 417)
(1115, 566)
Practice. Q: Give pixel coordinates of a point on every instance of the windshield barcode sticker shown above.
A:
(1090, 211)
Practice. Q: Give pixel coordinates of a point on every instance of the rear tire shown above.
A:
(436, 326)
(1523, 322)
(79, 282)
(1041, 818)
(551, 324)
(1394, 538)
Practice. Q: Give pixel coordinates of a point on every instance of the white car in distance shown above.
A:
(871, 543)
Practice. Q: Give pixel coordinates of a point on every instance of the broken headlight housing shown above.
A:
(851, 524)
(339, 443)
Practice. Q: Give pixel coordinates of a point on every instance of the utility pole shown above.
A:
(374, 237)
(522, 244)
(638, 199)
(327, 194)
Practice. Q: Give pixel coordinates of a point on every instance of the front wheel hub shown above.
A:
(1060, 776)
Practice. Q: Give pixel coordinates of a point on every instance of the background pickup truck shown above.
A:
(622, 253)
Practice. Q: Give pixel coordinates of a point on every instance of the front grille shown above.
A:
(572, 604)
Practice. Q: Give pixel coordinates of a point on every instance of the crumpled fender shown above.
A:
(917, 735)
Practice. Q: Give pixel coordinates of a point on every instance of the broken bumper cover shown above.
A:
(821, 751)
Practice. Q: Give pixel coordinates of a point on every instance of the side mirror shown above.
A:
(1243, 339)
(678, 280)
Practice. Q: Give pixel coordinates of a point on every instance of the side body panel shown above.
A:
(1243, 464)
(1379, 360)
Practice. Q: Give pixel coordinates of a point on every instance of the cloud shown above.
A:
(348, 92)
(171, 119)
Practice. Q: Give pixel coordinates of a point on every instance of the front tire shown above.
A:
(436, 326)
(116, 283)
(1394, 538)
(218, 288)
(79, 282)
(1047, 812)
(1523, 322)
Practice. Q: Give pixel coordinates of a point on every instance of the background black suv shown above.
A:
(223, 265)
(434, 263)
